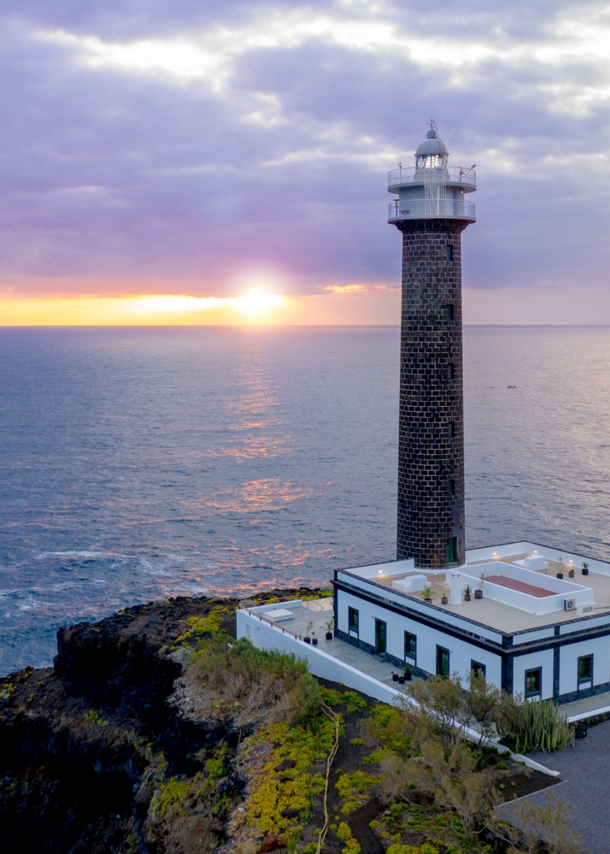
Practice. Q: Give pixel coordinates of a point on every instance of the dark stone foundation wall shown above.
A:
(431, 417)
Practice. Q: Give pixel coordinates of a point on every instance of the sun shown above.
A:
(257, 305)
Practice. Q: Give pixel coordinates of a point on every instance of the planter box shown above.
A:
(478, 594)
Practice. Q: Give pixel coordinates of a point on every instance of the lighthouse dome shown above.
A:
(432, 153)
(433, 144)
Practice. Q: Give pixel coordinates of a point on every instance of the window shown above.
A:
(450, 313)
(449, 253)
(533, 682)
(451, 429)
(451, 487)
(585, 669)
(477, 669)
(452, 550)
(450, 371)
(442, 661)
(381, 636)
(410, 646)
(352, 620)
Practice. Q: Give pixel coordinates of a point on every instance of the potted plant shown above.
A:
(444, 600)
(401, 679)
(394, 677)
(571, 573)
(560, 566)
(329, 629)
(467, 592)
(307, 637)
(585, 567)
(427, 592)
(408, 672)
(478, 593)
(314, 639)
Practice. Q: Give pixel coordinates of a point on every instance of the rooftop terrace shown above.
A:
(515, 598)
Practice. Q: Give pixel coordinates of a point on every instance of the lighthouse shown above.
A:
(431, 211)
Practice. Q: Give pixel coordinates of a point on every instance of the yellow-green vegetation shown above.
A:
(296, 751)
(330, 696)
(208, 624)
(385, 727)
(6, 689)
(215, 768)
(170, 797)
(354, 789)
(438, 826)
(94, 717)
(344, 832)
(413, 849)
(354, 701)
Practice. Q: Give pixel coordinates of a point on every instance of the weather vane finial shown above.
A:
(432, 125)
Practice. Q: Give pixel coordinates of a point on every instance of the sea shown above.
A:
(143, 463)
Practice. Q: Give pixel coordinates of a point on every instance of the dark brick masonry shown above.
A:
(431, 419)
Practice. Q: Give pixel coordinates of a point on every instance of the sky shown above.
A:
(203, 161)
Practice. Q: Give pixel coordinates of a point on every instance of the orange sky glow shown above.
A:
(354, 304)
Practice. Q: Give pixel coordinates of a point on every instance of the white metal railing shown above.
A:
(448, 174)
(426, 208)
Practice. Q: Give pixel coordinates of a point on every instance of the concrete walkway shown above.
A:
(585, 770)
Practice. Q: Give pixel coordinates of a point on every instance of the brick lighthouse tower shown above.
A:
(431, 211)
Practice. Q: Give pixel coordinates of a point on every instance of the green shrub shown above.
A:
(530, 726)
(260, 680)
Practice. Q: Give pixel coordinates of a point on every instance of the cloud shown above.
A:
(211, 143)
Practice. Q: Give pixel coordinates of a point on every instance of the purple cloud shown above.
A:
(192, 142)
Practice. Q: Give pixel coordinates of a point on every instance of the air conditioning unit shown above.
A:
(569, 604)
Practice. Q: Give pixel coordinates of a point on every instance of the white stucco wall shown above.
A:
(543, 659)
(461, 652)
(266, 636)
(568, 663)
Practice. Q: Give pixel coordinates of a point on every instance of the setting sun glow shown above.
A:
(337, 305)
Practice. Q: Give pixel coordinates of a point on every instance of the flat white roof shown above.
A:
(518, 599)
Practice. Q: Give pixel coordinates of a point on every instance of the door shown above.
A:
(442, 661)
(381, 632)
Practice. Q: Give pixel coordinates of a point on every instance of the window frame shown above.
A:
(452, 550)
(588, 680)
(531, 694)
(379, 623)
(351, 612)
(478, 667)
(439, 654)
(410, 636)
